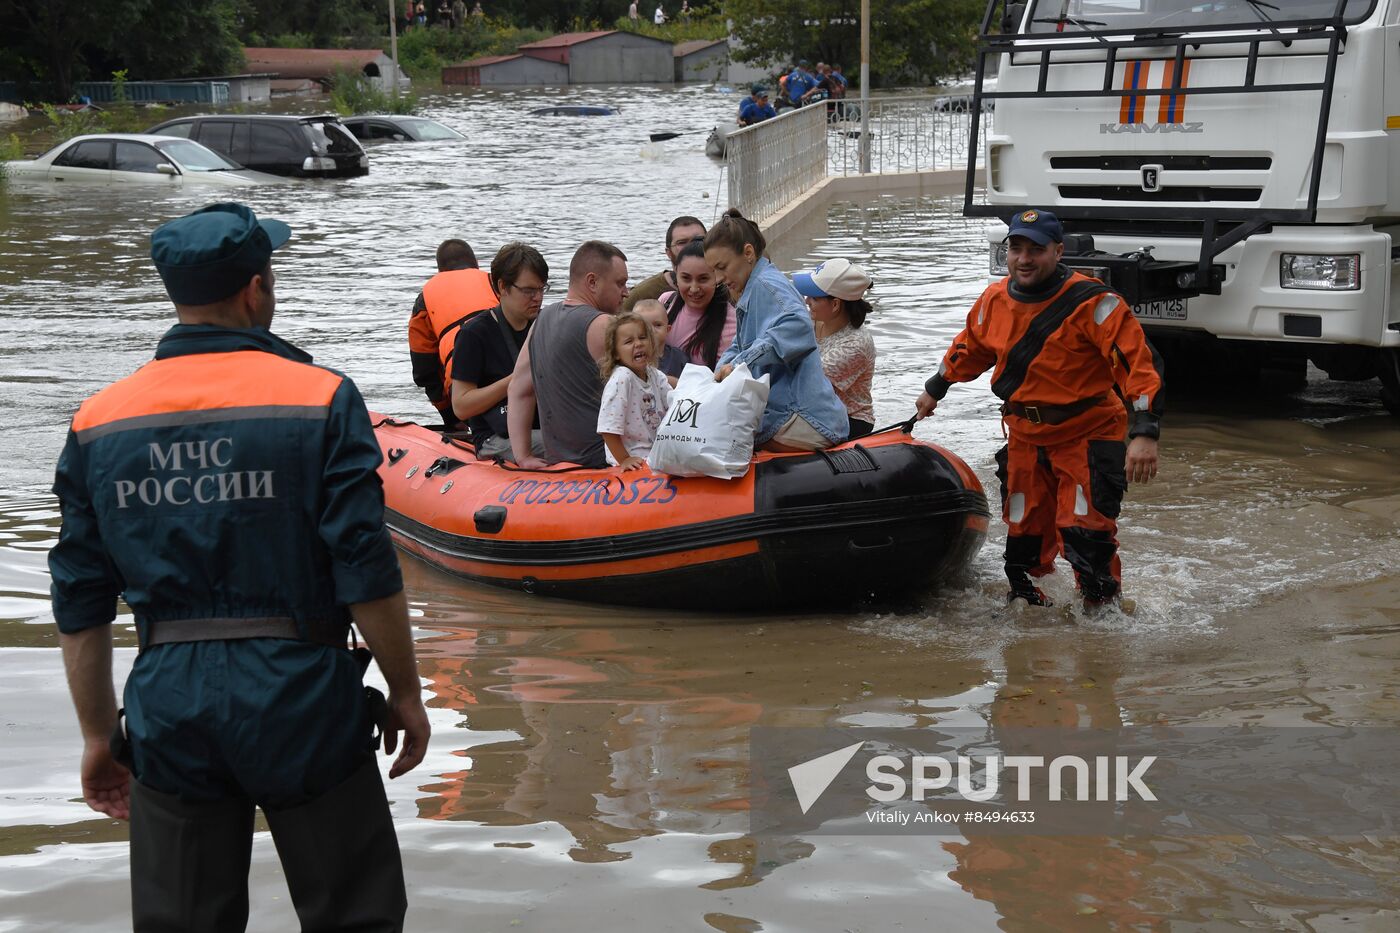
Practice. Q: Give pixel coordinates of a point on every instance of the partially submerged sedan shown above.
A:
(398, 128)
(134, 159)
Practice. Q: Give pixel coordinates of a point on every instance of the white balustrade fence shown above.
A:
(771, 163)
(907, 134)
(774, 162)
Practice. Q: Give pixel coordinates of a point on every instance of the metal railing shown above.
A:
(140, 92)
(774, 162)
(158, 92)
(907, 134)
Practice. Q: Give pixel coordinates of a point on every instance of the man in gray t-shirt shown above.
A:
(557, 370)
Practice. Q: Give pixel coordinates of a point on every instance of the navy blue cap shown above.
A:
(1041, 226)
(209, 255)
(760, 90)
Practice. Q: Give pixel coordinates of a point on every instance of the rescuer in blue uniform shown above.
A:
(755, 108)
(228, 491)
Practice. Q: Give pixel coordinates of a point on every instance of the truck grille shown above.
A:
(1182, 163)
(1200, 193)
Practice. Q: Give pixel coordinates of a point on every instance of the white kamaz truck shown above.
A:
(1231, 166)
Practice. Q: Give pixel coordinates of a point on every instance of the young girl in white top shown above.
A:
(636, 394)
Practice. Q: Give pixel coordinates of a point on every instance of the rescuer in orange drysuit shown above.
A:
(1070, 360)
(459, 290)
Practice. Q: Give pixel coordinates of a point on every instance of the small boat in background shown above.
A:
(576, 110)
(717, 142)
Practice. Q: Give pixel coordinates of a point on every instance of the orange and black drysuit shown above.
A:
(1069, 361)
(447, 300)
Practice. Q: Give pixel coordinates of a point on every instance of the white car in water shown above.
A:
(134, 159)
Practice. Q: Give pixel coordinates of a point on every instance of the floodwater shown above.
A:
(589, 764)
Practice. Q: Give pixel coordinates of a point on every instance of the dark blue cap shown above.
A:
(759, 89)
(209, 255)
(1041, 226)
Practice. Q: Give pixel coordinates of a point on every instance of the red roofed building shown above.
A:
(702, 60)
(607, 57)
(498, 70)
(320, 65)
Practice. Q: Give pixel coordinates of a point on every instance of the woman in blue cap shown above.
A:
(835, 293)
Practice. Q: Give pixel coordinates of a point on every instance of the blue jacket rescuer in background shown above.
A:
(755, 108)
(799, 83)
(774, 335)
(228, 491)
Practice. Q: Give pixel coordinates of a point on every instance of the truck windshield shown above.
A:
(1081, 16)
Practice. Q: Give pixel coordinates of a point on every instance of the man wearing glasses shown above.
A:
(682, 232)
(487, 345)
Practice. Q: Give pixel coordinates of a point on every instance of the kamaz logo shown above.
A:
(1112, 129)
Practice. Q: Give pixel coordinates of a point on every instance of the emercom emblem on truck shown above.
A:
(1109, 129)
(1171, 108)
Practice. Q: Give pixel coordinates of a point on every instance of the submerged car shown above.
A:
(399, 129)
(301, 146)
(134, 159)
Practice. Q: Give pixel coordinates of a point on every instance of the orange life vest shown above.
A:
(451, 298)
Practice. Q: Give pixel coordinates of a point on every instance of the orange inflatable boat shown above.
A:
(868, 519)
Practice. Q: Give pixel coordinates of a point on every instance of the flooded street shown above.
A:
(590, 765)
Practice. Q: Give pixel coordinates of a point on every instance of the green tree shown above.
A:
(57, 35)
(324, 23)
(911, 41)
(176, 40)
(67, 41)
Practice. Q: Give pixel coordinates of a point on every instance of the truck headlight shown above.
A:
(996, 264)
(1331, 273)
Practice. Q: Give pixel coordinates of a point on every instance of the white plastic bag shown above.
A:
(709, 428)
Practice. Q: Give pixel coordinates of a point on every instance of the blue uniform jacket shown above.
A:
(228, 480)
(774, 335)
(750, 111)
(799, 83)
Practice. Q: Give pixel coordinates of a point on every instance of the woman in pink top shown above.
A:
(702, 319)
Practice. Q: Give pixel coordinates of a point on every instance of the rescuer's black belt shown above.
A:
(177, 630)
(1037, 413)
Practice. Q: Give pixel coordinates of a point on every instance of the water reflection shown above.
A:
(1058, 882)
(618, 724)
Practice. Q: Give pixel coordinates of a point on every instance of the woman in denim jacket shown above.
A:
(774, 336)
